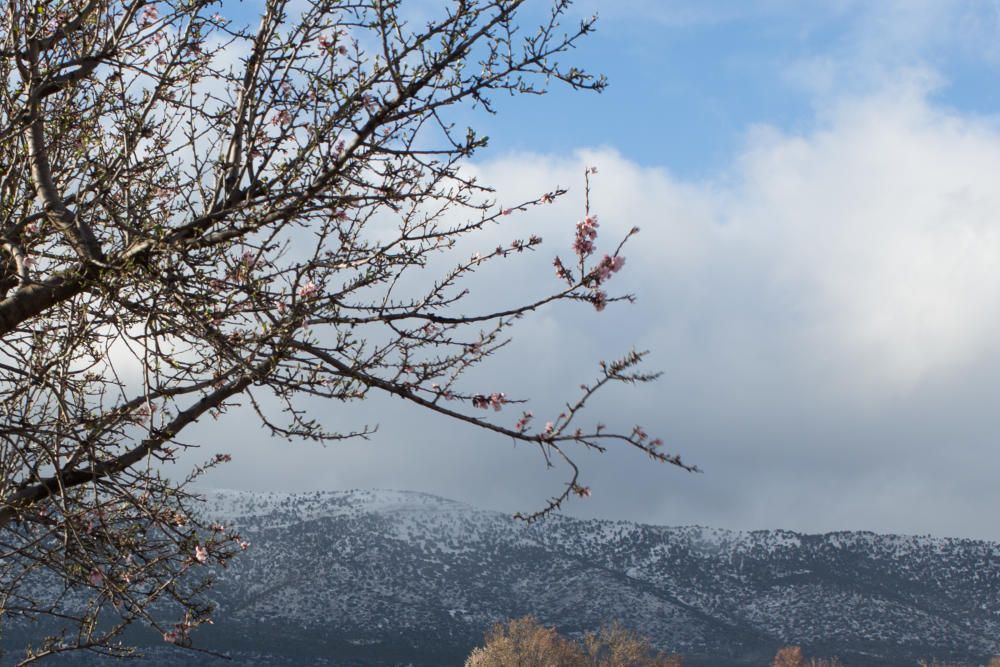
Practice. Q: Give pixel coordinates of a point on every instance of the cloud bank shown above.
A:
(825, 312)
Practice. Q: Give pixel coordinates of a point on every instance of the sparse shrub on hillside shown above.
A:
(527, 643)
(791, 656)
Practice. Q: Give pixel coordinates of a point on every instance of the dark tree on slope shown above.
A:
(194, 213)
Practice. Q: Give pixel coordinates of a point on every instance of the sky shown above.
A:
(817, 277)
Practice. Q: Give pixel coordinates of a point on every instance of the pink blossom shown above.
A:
(96, 577)
(172, 637)
(609, 265)
(600, 300)
(325, 41)
(149, 15)
(586, 232)
(547, 198)
(200, 554)
(310, 289)
(283, 117)
(495, 401)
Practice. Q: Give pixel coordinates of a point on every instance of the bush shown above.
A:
(791, 656)
(524, 642)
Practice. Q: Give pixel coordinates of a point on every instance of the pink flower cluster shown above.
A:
(600, 300)
(179, 635)
(608, 266)
(586, 233)
(149, 15)
(283, 117)
(310, 289)
(200, 554)
(494, 401)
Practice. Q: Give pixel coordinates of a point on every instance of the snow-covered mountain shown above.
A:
(379, 577)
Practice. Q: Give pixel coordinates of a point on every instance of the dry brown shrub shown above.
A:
(525, 642)
(791, 656)
(617, 646)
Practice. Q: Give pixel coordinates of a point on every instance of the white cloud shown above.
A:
(870, 244)
(810, 307)
(825, 310)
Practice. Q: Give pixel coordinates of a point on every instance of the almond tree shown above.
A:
(194, 213)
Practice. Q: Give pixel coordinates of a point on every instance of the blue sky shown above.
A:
(689, 79)
(818, 275)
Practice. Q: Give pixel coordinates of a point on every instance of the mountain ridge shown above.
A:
(386, 578)
(424, 574)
